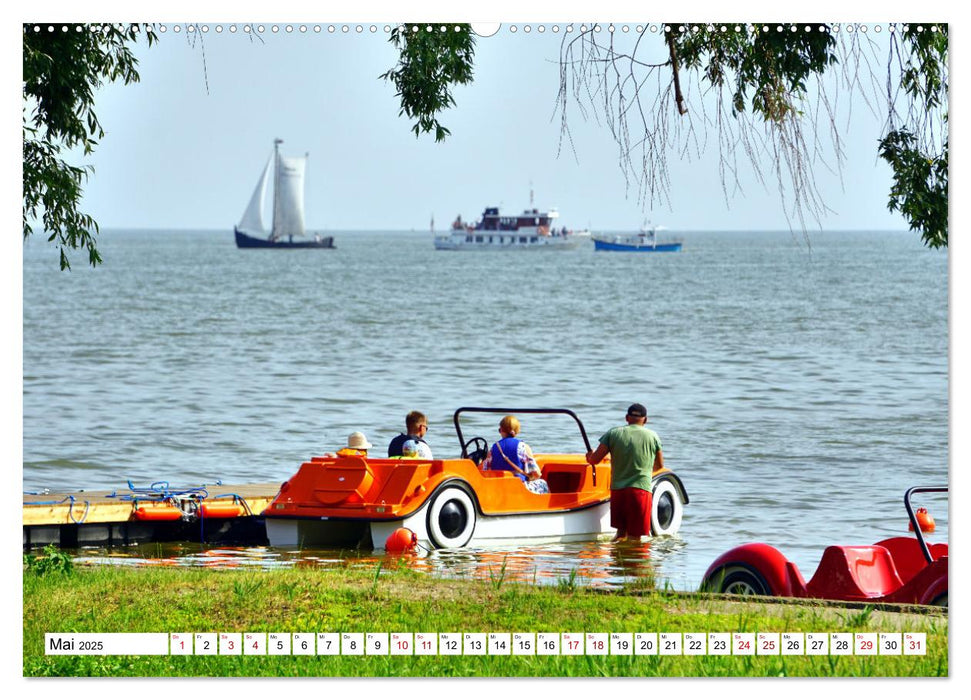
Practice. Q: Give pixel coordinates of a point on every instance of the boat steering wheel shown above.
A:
(478, 454)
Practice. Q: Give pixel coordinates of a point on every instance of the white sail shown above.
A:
(288, 197)
(253, 216)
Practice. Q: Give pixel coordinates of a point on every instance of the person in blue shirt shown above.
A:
(514, 455)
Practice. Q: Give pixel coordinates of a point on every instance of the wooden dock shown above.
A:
(108, 518)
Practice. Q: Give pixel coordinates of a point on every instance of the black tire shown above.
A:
(667, 508)
(941, 600)
(737, 579)
(451, 518)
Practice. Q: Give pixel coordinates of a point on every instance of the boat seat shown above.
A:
(908, 557)
(565, 478)
(497, 474)
(859, 572)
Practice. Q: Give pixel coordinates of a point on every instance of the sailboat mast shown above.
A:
(276, 189)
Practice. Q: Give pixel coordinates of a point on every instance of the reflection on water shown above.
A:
(589, 564)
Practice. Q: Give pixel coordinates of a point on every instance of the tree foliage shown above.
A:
(63, 65)
(765, 69)
(432, 58)
(770, 94)
(916, 142)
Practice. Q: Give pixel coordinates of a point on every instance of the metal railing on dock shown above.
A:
(157, 513)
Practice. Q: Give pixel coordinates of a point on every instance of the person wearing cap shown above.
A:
(417, 425)
(357, 446)
(514, 455)
(411, 450)
(635, 452)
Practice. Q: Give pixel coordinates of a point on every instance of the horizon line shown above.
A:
(445, 230)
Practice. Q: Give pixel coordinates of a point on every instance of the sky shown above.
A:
(185, 146)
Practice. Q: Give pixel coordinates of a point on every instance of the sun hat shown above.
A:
(357, 441)
(637, 410)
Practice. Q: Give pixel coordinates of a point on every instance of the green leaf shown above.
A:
(61, 71)
(429, 64)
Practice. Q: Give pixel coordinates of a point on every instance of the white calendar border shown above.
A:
(179, 10)
(602, 644)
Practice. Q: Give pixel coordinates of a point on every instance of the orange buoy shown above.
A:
(400, 541)
(221, 510)
(925, 520)
(156, 512)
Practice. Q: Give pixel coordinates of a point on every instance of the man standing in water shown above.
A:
(635, 452)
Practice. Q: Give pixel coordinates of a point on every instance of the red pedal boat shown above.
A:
(895, 570)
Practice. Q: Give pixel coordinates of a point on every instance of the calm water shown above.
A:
(798, 389)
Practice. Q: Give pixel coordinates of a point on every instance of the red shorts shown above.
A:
(630, 511)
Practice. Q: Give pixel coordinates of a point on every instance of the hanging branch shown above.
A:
(679, 98)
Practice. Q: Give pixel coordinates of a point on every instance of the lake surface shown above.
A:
(799, 387)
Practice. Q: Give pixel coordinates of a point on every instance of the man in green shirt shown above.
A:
(635, 452)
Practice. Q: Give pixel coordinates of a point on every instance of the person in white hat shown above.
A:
(357, 446)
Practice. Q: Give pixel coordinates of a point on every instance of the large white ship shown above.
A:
(533, 229)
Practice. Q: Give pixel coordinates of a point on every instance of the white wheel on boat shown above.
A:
(666, 509)
(451, 518)
(282, 533)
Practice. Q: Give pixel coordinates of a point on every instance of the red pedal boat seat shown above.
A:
(857, 572)
(908, 557)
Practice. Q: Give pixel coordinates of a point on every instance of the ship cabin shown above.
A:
(530, 218)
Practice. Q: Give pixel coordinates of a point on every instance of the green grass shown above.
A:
(391, 599)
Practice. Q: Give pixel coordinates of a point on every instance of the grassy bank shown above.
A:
(103, 599)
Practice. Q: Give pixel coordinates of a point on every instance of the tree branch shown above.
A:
(679, 98)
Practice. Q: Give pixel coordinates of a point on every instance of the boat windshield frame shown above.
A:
(508, 411)
(912, 516)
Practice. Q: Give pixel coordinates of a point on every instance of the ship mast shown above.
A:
(276, 187)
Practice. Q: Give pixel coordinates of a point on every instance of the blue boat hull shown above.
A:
(659, 248)
(244, 241)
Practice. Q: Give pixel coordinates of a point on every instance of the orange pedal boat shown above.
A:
(447, 503)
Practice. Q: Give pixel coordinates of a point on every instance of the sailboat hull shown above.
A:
(244, 241)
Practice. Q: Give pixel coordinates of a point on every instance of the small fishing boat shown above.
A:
(288, 223)
(643, 242)
(447, 503)
(531, 230)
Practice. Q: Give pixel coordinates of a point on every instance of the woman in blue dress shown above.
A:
(512, 454)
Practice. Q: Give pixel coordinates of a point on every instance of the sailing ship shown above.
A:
(288, 176)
